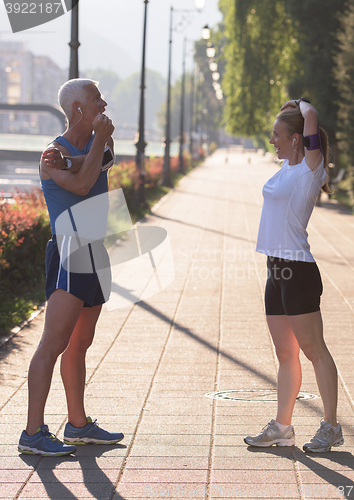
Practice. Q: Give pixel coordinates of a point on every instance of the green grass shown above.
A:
(344, 199)
(15, 309)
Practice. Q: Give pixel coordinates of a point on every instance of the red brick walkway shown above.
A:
(152, 364)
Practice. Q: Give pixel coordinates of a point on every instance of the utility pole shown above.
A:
(166, 181)
(181, 129)
(74, 43)
(141, 144)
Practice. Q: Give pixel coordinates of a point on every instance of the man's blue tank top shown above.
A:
(58, 199)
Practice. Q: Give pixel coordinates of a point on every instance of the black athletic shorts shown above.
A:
(84, 286)
(293, 287)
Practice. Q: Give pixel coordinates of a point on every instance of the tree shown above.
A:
(261, 61)
(107, 80)
(126, 100)
(344, 75)
(207, 109)
(317, 22)
(175, 108)
(123, 98)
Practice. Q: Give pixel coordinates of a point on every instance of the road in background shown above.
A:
(23, 175)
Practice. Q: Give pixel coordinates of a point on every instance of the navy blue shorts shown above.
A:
(84, 286)
(293, 287)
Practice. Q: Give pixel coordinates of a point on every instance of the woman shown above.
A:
(294, 286)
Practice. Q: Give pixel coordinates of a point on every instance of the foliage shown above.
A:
(124, 175)
(344, 192)
(107, 80)
(344, 74)
(202, 110)
(209, 109)
(25, 229)
(261, 56)
(123, 97)
(175, 107)
(317, 22)
(126, 100)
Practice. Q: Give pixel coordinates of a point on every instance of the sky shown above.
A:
(111, 35)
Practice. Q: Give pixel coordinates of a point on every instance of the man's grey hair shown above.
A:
(72, 91)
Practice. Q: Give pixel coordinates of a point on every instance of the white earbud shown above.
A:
(295, 149)
(79, 109)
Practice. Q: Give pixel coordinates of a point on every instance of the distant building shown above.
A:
(28, 79)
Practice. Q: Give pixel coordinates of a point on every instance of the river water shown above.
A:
(24, 175)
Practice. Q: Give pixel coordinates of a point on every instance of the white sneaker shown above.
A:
(271, 434)
(325, 437)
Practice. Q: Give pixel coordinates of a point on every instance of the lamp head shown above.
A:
(199, 4)
(210, 51)
(206, 32)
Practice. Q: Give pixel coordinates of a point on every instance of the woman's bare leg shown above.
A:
(289, 374)
(308, 329)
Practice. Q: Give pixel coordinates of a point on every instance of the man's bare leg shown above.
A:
(62, 314)
(73, 364)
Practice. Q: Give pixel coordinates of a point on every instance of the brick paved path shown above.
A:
(151, 365)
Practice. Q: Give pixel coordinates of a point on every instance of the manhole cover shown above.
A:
(253, 395)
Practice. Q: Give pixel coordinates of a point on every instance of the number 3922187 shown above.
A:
(33, 8)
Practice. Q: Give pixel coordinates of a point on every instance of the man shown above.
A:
(71, 172)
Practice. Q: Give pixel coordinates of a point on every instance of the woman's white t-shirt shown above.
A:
(289, 199)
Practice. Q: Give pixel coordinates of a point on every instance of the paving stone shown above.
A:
(152, 363)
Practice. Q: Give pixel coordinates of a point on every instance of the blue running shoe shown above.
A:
(44, 443)
(91, 433)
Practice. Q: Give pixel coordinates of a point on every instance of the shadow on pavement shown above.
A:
(338, 481)
(226, 355)
(15, 344)
(98, 484)
(205, 229)
(201, 195)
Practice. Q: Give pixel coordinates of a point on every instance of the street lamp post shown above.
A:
(166, 181)
(198, 114)
(181, 129)
(74, 43)
(140, 143)
(192, 113)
